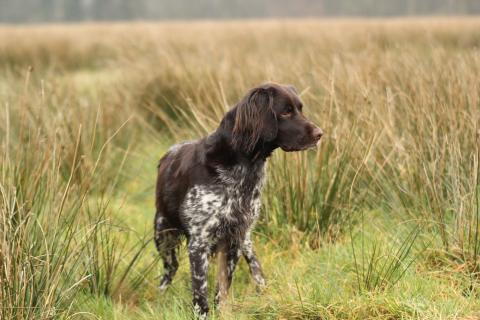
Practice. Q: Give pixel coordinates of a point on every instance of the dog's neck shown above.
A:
(221, 151)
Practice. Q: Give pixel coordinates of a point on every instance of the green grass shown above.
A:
(381, 221)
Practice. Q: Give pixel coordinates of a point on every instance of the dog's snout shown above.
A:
(317, 133)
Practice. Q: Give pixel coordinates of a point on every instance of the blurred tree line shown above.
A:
(103, 10)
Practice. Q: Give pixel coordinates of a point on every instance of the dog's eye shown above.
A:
(287, 112)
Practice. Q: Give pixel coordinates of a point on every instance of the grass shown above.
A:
(381, 221)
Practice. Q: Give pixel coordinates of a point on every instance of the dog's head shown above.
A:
(272, 114)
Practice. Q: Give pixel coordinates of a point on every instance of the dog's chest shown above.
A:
(225, 208)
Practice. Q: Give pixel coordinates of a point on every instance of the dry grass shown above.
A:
(87, 110)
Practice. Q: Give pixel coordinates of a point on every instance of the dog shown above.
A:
(209, 189)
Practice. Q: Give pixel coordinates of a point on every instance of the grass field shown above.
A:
(380, 222)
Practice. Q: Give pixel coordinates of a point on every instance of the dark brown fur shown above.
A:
(209, 189)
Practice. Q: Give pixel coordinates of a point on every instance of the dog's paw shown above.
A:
(163, 287)
(260, 285)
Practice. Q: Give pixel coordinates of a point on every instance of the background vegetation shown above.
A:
(381, 221)
(28, 11)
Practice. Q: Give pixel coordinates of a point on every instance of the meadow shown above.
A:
(381, 221)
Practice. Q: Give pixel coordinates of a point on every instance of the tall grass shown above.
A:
(399, 102)
(40, 246)
(111, 259)
(380, 263)
(315, 192)
(52, 170)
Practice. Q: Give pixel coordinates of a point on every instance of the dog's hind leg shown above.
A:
(227, 261)
(166, 240)
(253, 263)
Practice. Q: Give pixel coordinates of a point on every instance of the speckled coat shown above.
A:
(209, 189)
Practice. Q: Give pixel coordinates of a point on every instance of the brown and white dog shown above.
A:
(209, 189)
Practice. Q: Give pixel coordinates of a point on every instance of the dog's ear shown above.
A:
(255, 120)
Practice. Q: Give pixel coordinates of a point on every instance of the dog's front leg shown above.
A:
(198, 254)
(253, 263)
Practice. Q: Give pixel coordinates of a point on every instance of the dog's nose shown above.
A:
(317, 133)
